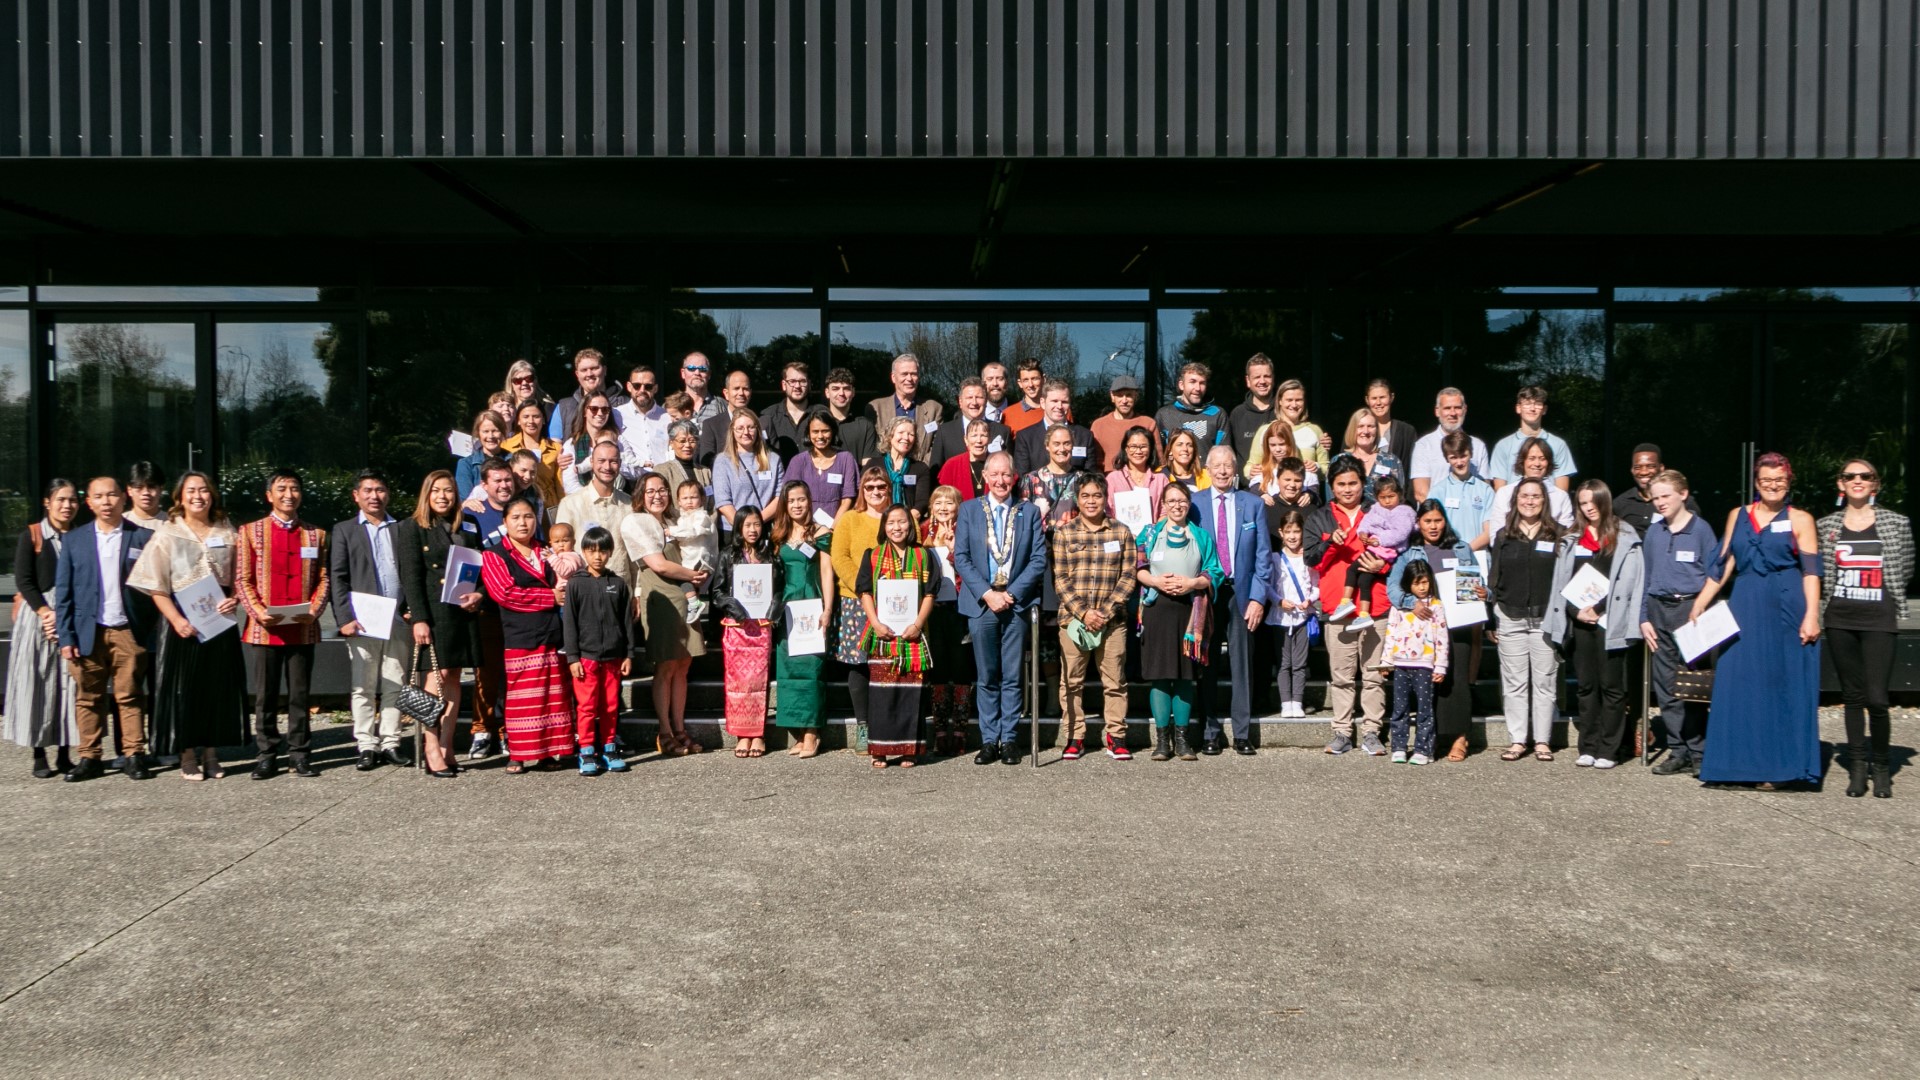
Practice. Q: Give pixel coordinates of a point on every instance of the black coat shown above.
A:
(725, 606)
(420, 555)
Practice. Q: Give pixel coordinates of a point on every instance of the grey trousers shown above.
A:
(1684, 721)
(1529, 680)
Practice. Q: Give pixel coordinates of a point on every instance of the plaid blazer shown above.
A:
(250, 572)
(1896, 539)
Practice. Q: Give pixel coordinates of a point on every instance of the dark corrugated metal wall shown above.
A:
(960, 78)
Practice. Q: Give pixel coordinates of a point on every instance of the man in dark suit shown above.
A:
(363, 561)
(718, 428)
(1030, 445)
(951, 440)
(1237, 522)
(101, 624)
(1000, 560)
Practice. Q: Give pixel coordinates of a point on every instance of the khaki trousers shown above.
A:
(1353, 660)
(117, 656)
(1111, 655)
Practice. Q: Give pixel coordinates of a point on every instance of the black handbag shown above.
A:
(1693, 684)
(423, 707)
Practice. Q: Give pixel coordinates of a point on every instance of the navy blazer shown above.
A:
(76, 586)
(973, 562)
(1252, 551)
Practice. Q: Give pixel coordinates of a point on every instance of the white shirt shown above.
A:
(113, 610)
(1429, 461)
(643, 436)
(1559, 508)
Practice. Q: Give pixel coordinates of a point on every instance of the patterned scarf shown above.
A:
(906, 564)
(1193, 643)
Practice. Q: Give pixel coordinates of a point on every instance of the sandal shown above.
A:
(908, 763)
(740, 748)
(758, 751)
(516, 768)
(879, 763)
(1542, 753)
(1514, 752)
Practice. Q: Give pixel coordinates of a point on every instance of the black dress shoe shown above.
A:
(85, 769)
(369, 761)
(302, 767)
(266, 769)
(42, 771)
(444, 774)
(398, 757)
(1243, 747)
(989, 753)
(135, 766)
(1213, 746)
(1009, 753)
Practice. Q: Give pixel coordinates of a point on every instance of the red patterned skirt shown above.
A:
(746, 653)
(539, 706)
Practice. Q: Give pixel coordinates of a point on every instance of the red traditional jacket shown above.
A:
(299, 553)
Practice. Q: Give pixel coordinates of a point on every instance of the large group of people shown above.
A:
(910, 555)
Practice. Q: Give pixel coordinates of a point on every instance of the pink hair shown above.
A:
(1772, 459)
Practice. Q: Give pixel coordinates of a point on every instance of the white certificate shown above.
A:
(200, 603)
(898, 602)
(1587, 588)
(463, 575)
(753, 587)
(822, 518)
(1715, 625)
(806, 628)
(374, 613)
(1134, 509)
(460, 443)
(1459, 612)
(949, 587)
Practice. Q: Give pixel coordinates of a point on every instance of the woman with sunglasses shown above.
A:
(1866, 560)
(524, 386)
(594, 419)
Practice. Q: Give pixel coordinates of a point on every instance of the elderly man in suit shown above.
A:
(1000, 560)
(101, 625)
(1237, 521)
(905, 401)
(364, 562)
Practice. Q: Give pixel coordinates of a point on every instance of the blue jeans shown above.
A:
(999, 644)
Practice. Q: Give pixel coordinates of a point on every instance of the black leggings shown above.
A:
(1864, 661)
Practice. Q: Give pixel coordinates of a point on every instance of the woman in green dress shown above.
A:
(807, 568)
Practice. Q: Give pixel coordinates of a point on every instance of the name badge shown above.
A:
(1582, 553)
(806, 550)
(1783, 525)
(708, 488)
(1545, 547)
(1079, 451)
(310, 552)
(1659, 517)
(216, 540)
(767, 435)
(835, 478)
(764, 474)
(1111, 547)
(1380, 470)
(994, 446)
(468, 526)
(910, 480)
(1683, 556)
(1453, 502)
(1245, 525)
(1448, 564)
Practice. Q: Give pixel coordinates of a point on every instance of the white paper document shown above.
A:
(806, 628)
(822, 518)
(200, 603)
(463, 575)
(1587, 588)
(948, 588)
(288, 611)
(460, 443)
(1134, 509)
(1715, 625)
(898, 602)
(753, 587)
(1468, 612)
(374, 613)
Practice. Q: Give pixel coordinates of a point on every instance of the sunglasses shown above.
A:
(641, 385)
(523, 380)
(1858, 476)
(695, 370)
(598, 409)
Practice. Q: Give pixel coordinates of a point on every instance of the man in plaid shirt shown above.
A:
(1093, 568)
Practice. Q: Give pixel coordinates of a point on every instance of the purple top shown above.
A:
(839, 480)
(1392, 528)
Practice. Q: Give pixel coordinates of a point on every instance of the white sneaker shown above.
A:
(1290, 710)
(1419, 759)
(1585, 761)
(1602, 763)
(1345, 609)
(1399, 757)
(482, 746)
(1361, 622)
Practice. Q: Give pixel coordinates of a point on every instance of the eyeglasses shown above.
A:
(690, 369)
(879, 487)
(1858, 476)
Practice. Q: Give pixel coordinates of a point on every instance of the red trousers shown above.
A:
(596, 696)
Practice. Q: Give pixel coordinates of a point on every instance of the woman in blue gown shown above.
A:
(1763, 725)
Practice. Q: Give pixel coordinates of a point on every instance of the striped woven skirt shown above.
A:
(745, 650)
(893, 710)
(539, 705)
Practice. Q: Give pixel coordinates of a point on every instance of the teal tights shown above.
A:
(1172, 702)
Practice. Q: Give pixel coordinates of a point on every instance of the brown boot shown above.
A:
(1459, 751)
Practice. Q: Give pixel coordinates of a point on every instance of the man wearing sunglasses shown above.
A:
(642, 421)
(696, 374)
(589, 371)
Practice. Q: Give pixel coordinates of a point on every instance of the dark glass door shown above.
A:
(126, 390)
(1687, 385)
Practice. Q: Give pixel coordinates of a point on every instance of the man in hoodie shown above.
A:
(1191, 411)
(1248, 417)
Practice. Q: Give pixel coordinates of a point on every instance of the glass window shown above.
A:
(1840, 390)
(11, 293)
(429, 372)
(761, 341)
(1224, 338)
(1397, 337)
(288, 394)
(1085, 354)
(1563, 351)
(623, 335)
(993, 295)
(124, 392)
(1686, 385)
(211, 294)
(19, 503)
(949, 352)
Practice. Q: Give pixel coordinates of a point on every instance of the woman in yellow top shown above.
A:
(854, 534)
(530, 424)
(1183, 462)
(1308, 439)
(199, 700)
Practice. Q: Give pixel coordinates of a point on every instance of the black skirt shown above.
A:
(200, 694)
(952, 661)
(1163, 632)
